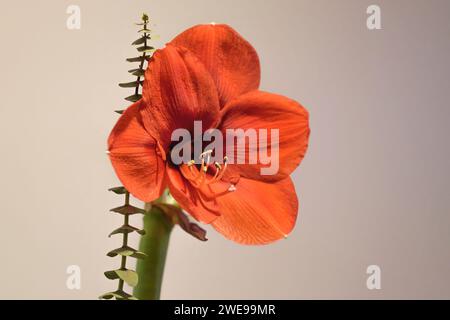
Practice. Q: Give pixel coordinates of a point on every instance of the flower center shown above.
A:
(202, 171)
(208, 173)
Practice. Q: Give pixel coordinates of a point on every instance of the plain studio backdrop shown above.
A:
(373, 189)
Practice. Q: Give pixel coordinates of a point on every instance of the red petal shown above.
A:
(135, 156)
(177, 91)
(192, 200)
(258, 212)
(260, 110)
(231, 60)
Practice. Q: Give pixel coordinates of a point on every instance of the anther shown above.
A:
(207, 153)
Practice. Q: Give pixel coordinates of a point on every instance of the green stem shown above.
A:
(154, 243)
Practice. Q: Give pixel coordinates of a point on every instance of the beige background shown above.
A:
(374, 188)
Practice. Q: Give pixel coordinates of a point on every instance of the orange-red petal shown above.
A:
(261, 110)
(231, 60)
(135, 156)
(258, 212)
(192, 200)
(177, 91)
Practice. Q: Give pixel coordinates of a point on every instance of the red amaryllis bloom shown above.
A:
(209, 73)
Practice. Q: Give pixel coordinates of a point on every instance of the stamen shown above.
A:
(193, 176)
(201, 175)
(218, 168)
(191, 163)
(225, 162)
(198, 177)
(219, 171)
(207, 153)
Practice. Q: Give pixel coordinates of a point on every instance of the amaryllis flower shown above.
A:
(209, 73)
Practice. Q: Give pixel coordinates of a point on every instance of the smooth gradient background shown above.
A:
(373, 189)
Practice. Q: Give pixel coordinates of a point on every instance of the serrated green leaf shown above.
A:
(129, 276)
(119, 295)
(126, 229)
(141, 40)
(137, 72)
(118, 190)
(128, 210)
(145, 49)
(119, 111)
(123, 251)
(144, 30)
(111, 275)
(132, 84)
(127, 251)
(138, 59)
(107, 296)
(134, 98)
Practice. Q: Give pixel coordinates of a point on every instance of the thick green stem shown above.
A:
(154, 243)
